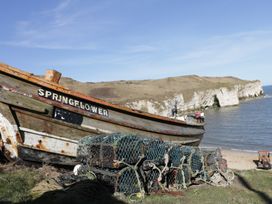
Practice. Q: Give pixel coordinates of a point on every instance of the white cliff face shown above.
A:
(250, 90)
(221, 97)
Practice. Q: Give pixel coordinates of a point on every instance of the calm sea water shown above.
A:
(246, 127)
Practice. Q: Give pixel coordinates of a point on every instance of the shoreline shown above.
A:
(238, 159)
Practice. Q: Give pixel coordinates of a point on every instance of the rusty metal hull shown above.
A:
(40, 116)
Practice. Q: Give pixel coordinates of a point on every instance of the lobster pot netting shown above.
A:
(108, 150)
(122, 181)
(179, 177)
(125, 160)
(179, 154)
(155, 150)
(196, 162)
(213, 162)
(154, 179)
(84, 146)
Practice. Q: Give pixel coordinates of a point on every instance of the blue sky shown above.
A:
(107, 40)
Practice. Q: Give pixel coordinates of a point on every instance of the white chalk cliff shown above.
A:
(160, 96)
(221, 97)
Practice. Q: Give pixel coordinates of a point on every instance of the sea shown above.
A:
(246, 127)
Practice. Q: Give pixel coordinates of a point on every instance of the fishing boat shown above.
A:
(42, 121)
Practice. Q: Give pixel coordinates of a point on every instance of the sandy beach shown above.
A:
(240, 160)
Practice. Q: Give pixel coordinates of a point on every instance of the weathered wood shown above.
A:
(6, 112)
(25, 102)
(115, 117)
(44, 111)
(52, 76)
(51, 126)
(40, 82)
(37, 155)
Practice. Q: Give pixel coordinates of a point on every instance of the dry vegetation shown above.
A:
(16, 182)
(120, 92)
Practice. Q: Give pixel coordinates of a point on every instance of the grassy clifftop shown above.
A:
(121, 92)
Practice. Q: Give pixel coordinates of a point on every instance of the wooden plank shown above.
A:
(41, 82)
(121, 119)
(25, 102)
(37, 155)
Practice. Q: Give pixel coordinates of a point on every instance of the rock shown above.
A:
(221, 97)
(160, 96)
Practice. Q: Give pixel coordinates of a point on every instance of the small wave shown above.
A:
(244, 150)
(267, 96)
(213, 147)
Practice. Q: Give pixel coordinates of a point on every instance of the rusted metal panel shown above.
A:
(49, 143)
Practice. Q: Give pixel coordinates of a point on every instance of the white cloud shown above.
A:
(68, 25)
(223, 50)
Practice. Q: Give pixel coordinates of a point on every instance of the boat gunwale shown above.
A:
(30, 78)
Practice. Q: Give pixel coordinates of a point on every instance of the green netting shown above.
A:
(124, 160)
(196, 161)
(104, 151)
(179, 154)
(84, 146)
(155, 150)
(152, 177)
(179, 177)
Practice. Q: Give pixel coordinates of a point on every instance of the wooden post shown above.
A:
(52, 76)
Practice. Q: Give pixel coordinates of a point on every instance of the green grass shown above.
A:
(15, 185)
(249, 187)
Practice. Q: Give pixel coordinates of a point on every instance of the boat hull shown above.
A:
(50, 119)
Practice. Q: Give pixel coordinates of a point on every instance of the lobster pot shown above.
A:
(179, 177)
(155, 150)
(214, 161)
(196, 162)
(85, 146)
(122, 181)
(152, 182)
(179, 154)
(106, 151)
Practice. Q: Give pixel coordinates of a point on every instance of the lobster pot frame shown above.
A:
(196, 162)
(213, 161)
(122, 181)
(84, 146)
(179, 154)
(179, 177)
(152, 180)
(114, 148)
(155, 150)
